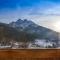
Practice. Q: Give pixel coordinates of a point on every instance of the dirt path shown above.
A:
(24, 53)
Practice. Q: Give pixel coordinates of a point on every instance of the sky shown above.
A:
(43, 12)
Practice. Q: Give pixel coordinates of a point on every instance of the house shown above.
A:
(15, 45)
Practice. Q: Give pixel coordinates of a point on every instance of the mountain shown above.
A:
(32, 28)
(22, 24)
(27, 31)
(9, 34)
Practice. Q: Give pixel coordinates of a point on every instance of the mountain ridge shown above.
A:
(26, 31)
(31, 27)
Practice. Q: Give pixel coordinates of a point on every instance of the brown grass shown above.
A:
(29, 54)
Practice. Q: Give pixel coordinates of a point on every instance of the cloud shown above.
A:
(53, 10)
(44, 13)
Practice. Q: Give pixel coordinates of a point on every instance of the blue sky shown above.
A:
(42, 12)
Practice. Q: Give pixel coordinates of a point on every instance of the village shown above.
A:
(38, 43)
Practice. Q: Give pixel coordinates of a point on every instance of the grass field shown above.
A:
(29, 54)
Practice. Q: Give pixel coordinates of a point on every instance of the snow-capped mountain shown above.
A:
(28, 26)
(31, 27)
(22, 24)
(27, 32)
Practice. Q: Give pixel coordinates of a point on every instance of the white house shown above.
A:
(42, 43)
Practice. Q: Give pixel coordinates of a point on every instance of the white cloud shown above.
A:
(44, 16)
